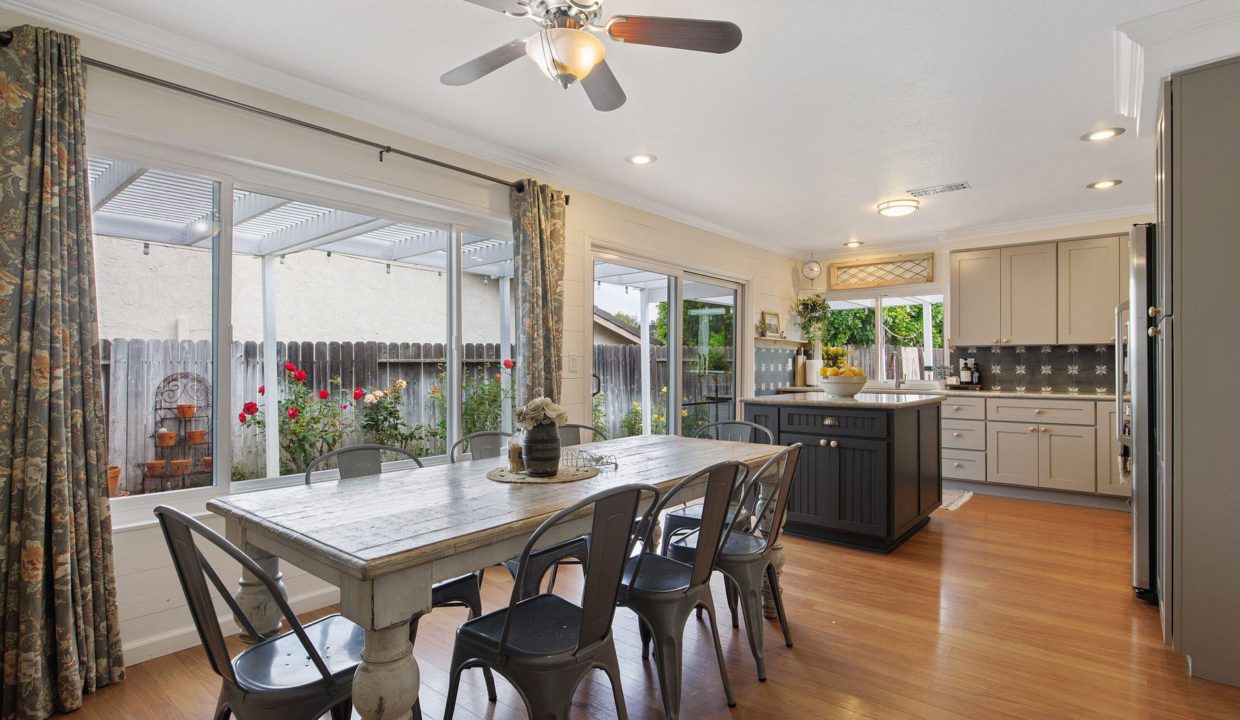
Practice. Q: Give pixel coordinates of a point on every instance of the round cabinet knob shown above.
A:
(957, 465)
(996, 341)
(823, 442)
(956, 434)
(1046, 429)
(1154, 332)
(957, 408)
(1155, 311)
(1007, 340)
(1037, 411)
(1033, 428)
(835, 443)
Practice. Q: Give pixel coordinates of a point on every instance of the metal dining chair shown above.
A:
(689, 516)
(664, 592)
(545, 644)
(745, 557)
(359, 460)
(465, 591)
(578, 434)
(299, 675)
(480, 445)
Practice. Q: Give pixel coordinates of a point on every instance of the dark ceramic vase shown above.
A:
(540, 450)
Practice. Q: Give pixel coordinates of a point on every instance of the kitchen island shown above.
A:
(870, 473)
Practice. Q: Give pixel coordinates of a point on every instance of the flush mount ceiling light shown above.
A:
(1102, 134)
(641, 159)
(855, 243)
(1104, 184)
(565, 55)
(898, 208)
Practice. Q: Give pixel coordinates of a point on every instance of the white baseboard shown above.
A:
(166, 643)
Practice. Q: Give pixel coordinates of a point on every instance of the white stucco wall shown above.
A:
(167, 295)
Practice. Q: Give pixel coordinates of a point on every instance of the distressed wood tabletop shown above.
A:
(371, 526)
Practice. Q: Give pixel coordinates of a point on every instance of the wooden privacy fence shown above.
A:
(620, 377)
(133, 368)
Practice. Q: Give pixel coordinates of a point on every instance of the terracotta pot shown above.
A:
(186, 410)
(196, 437)
(114, 479)
(165, 438)
(179, 467)
(206, 462)
(540, 450)
(155, 468)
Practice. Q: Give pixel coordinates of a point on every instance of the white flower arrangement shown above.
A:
(538, 411)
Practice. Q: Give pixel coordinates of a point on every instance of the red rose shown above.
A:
(497, 376)
(434, 391)
(262, 389)
(293, 413)
(241, 417)
(290, 367)
(300, 376)
(323, 394)
(249, 408)
(344, 407)
(358, 393)
(509, 364)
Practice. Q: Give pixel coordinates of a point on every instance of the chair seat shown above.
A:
(738, 544)
(695, 512)
(544, 625)
(657, 574)
(281, 663)
(455, 591)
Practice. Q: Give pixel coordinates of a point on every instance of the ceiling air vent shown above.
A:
(939, 189)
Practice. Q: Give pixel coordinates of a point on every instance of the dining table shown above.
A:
(384, 540)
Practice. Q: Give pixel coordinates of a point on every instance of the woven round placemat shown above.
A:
(565, 475)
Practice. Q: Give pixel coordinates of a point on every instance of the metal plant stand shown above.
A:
(176, 390)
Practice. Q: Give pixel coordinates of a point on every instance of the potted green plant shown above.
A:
(540, 447)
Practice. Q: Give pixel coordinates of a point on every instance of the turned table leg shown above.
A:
(252, 596)
(385, 686)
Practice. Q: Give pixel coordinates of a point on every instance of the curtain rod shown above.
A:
(6, 37)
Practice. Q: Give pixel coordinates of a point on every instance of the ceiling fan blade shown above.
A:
(517, 8)
(603, 89)
(484, 65)
(714, 36)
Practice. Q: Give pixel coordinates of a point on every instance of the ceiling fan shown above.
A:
(566, 51)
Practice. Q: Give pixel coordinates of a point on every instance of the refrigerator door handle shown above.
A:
(1119, 370)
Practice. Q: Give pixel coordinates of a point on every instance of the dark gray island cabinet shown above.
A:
(869, 475)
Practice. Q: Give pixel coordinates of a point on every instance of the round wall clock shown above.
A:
(811, 270)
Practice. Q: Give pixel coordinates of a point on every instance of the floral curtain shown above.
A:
(538, 231)
(59, 627)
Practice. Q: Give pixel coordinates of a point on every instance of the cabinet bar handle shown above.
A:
(830, 422)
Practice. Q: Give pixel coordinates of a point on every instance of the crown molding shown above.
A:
(1148, 50)
(82, 17)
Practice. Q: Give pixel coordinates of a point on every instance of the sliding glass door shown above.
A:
(708, 364)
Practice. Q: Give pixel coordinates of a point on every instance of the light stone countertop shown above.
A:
(1085, 396)
(863, 401)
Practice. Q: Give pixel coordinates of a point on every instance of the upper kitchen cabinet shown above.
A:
(975, 292)
(1089, 290)
(1028, 294)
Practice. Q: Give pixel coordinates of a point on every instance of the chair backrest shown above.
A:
(724, 483)
(576, 434)
(195, 572)
(359, 460)
(611, 543)
(766, 496)
(737, 430)
(479, 445)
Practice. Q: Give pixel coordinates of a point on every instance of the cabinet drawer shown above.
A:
(829, 421)
(964, 465)
(1059, 412)
(958, 408)
(964, 434)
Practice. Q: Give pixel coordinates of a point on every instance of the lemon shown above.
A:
(833, 372)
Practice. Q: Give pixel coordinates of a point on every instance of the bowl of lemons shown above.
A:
(843, 381)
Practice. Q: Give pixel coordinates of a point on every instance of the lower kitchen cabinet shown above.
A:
(1012, 453)
(1066, 457)
(835, 484)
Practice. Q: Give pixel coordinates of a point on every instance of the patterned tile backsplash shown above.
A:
(1085, 369)
(773, 368)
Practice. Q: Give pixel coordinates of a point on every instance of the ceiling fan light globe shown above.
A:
(565, 55)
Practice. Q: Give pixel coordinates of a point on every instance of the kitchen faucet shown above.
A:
(897, 369)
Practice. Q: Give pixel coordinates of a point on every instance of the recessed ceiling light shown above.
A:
(1104, 184)
(897, 208)
(1102, 134)
(853, 244)
(641, 159)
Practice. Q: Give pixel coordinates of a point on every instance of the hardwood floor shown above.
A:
(1001, 609)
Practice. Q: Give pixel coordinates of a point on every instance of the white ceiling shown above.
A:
(827, 107)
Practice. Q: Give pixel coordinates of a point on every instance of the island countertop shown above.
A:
(865, 400)
(1030, 394)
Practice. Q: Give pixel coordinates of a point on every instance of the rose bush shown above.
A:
(310, 423)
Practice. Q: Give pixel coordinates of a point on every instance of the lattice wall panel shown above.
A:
(881, 272)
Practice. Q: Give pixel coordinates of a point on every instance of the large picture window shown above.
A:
(891, 337)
